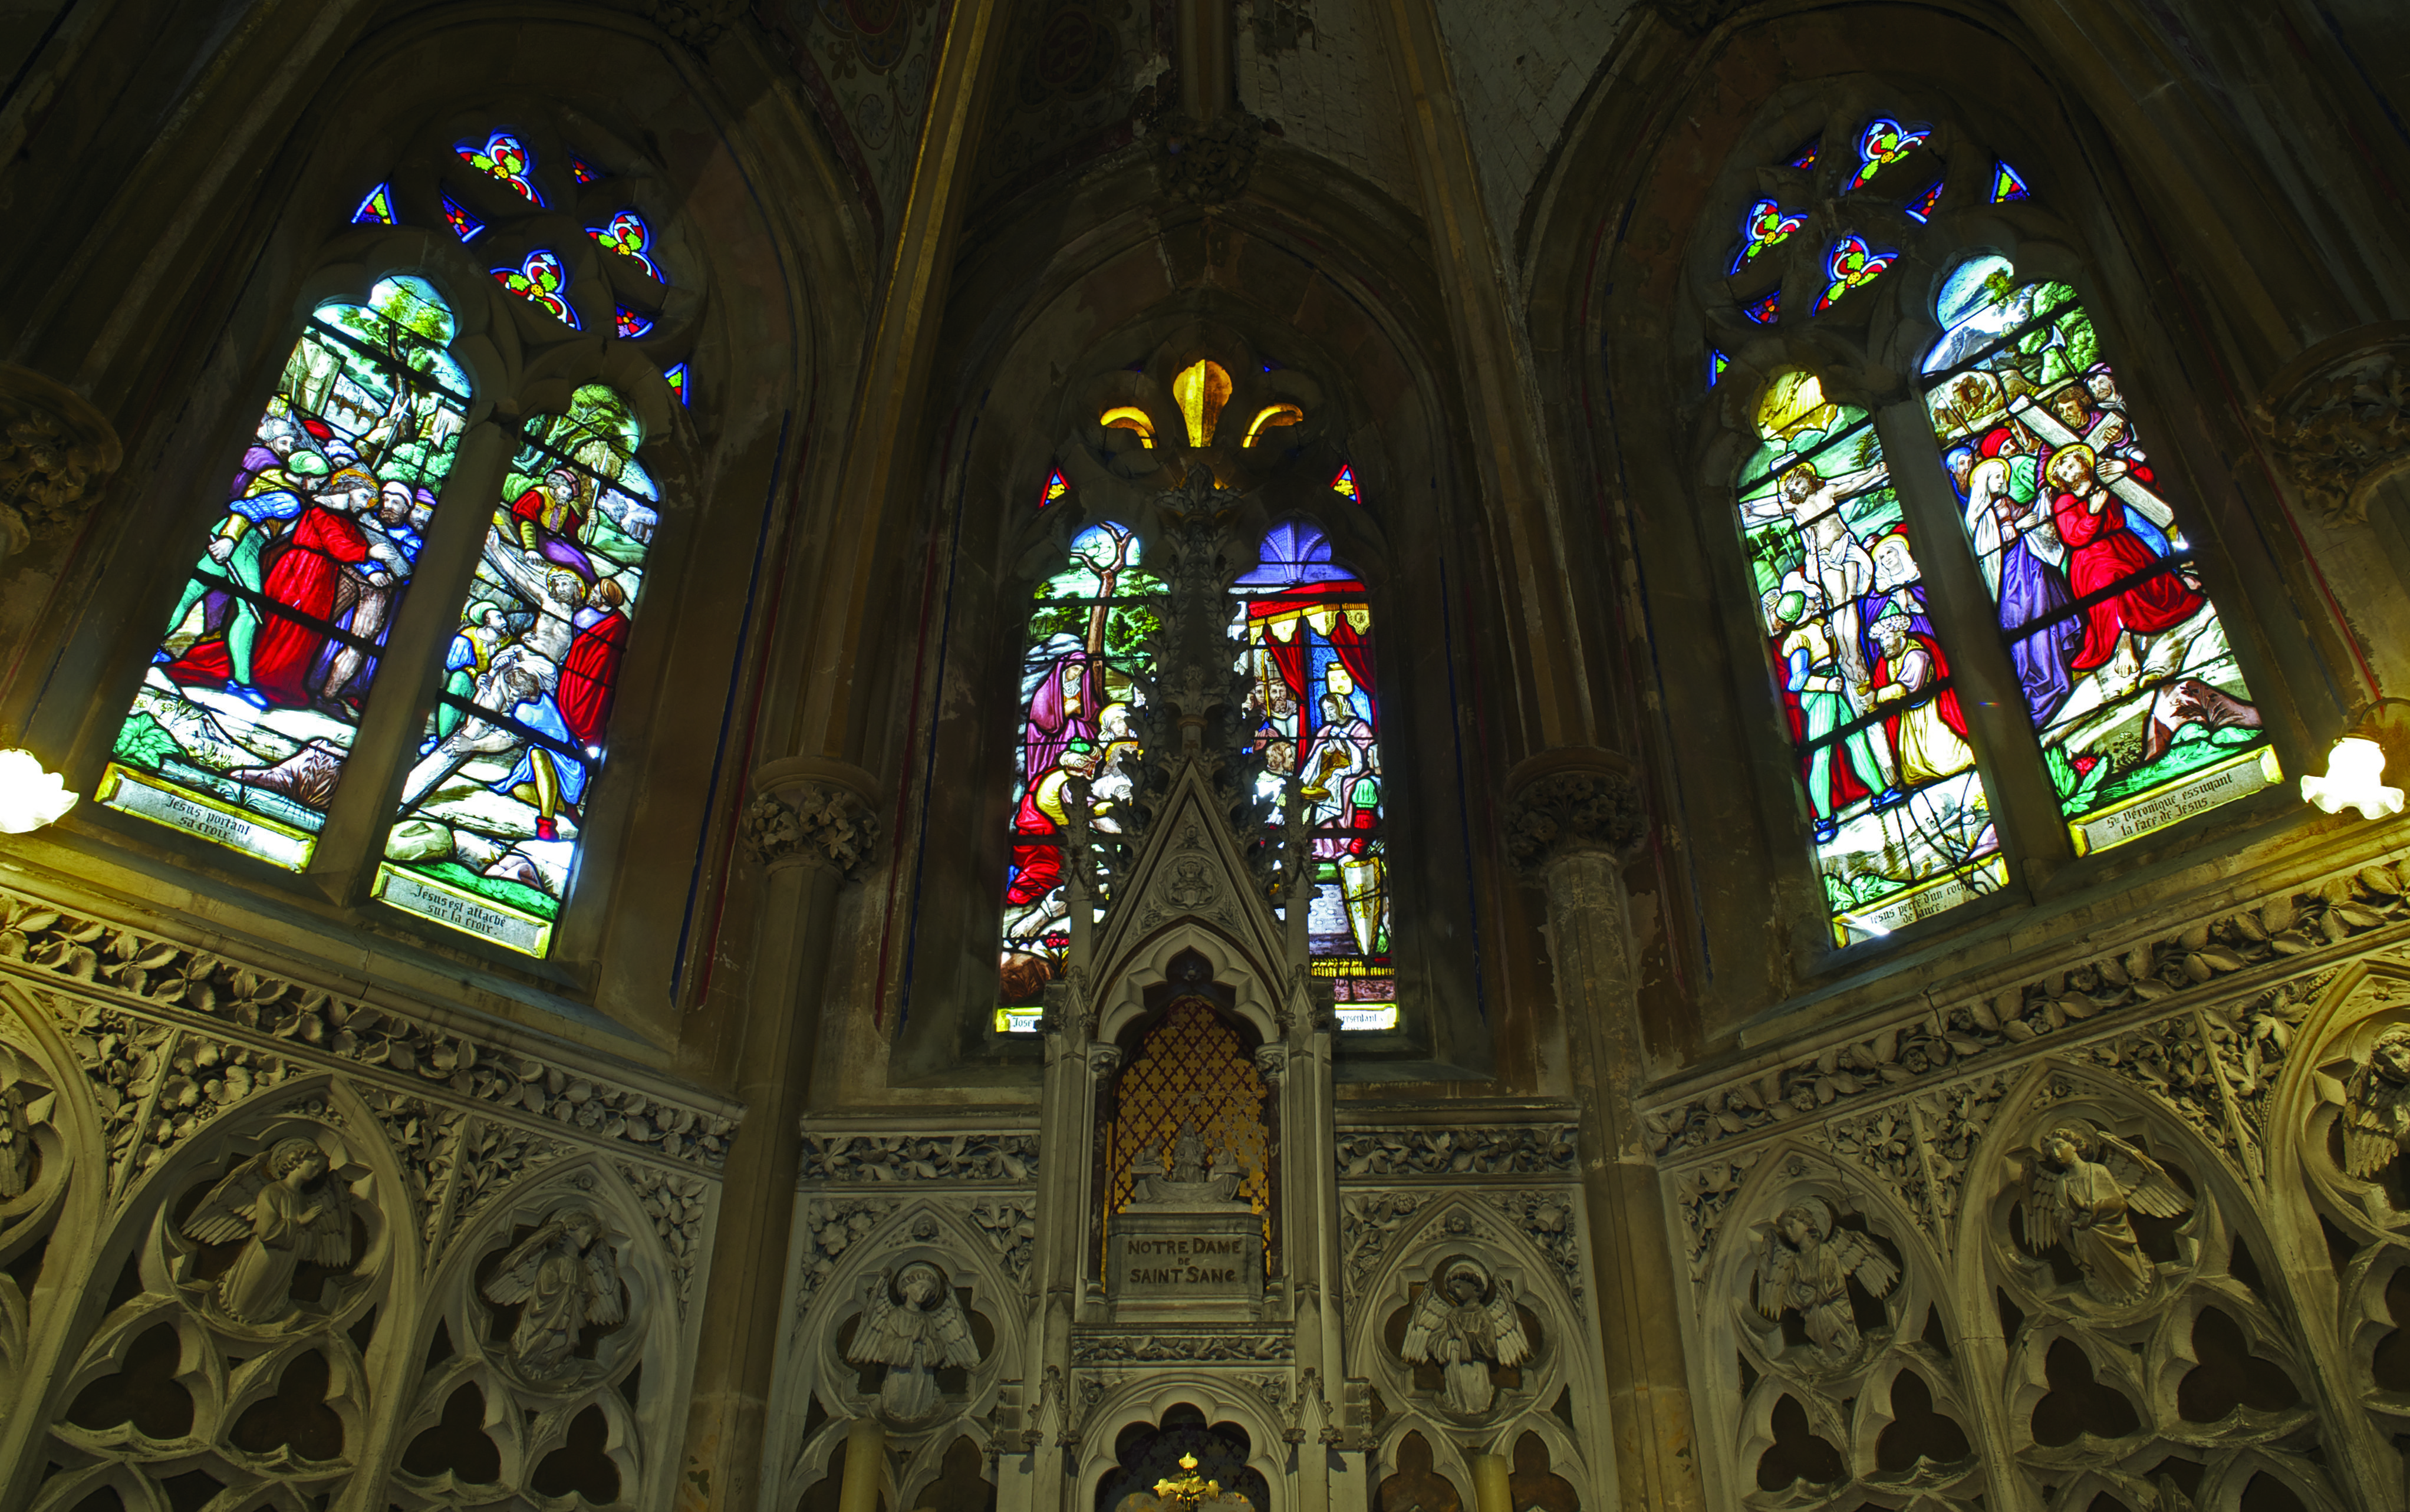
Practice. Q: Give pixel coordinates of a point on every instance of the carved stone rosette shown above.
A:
(55, 452)
(2341, 428)
(1571, 800)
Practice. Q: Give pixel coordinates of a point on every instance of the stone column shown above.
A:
(1299, 1070)
(810, 826)
(865, 1448)
(1572, 815)
(1490, 1492)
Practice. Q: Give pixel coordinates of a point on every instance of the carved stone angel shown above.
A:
(16, 1141)
(913, 1338)
(564, 1278)
(2081, 1184)
(1464, 1325)
(284, 1209)
(1806, 1269)
(2376, 1107)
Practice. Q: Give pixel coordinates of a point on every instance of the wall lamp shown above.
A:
(2355, 766)
(30, 797)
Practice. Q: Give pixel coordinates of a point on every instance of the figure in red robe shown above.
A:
(304, 579)
(589, 673)
(2102, 550)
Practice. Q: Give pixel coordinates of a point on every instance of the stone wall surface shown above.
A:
(1521, 66)
(1319, 69)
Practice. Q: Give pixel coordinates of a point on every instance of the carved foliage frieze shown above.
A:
(265, 1026)
(981, 1159)
(1515, 1150)
(2117, 988)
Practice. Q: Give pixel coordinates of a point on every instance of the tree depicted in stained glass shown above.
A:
(1086, 646)
(253, 697)
(1307, 634)
(487, 835)
(1901, 824)
(2143, 713)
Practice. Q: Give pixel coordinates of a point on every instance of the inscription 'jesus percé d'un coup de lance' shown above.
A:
(1184, 1249)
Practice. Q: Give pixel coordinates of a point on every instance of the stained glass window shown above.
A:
(539, 281)
(1920, 209)
(1086, 641)
(583, 171)
(1881, 143)
(1763, 228)
(629, 235)
(1343, 483)
(376, 208)
(1850, 264)
(464, 226)
(505, 157)
(1201, 389)
(680, 382)
(1901, 825)
(253, 697)
(2143, 713)
(1806, 157)
(1056, 485)
(2008, 184)
(1764, 312)
(631, 325)
(1307, 636)
(485, 837)
(1717, 365)
(1271, 417)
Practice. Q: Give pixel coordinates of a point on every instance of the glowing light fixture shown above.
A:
(30, 797)
(2356, 768)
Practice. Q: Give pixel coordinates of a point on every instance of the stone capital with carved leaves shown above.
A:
(1573, 800)
(811, 813)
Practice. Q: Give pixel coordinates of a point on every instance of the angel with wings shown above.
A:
(283, 1209)
(2081, 1184)
(564, 1278)
(1806, 1268)
(2376, 1107)
(1464, 1325)
(914, 1337)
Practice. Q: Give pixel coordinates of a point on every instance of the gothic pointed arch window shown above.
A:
(485, 833)
(1299, 624)
(253, 703)
(353, 557)
(1085, 655)
(1900, 819)
(2123, 663)
(1306, 625)
(2119, 694)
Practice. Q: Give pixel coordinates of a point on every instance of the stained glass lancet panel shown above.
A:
(485, 839)
(2143, 715)
(1086, 639)
(1307, 632)
(1903, 829)
(253, 699)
